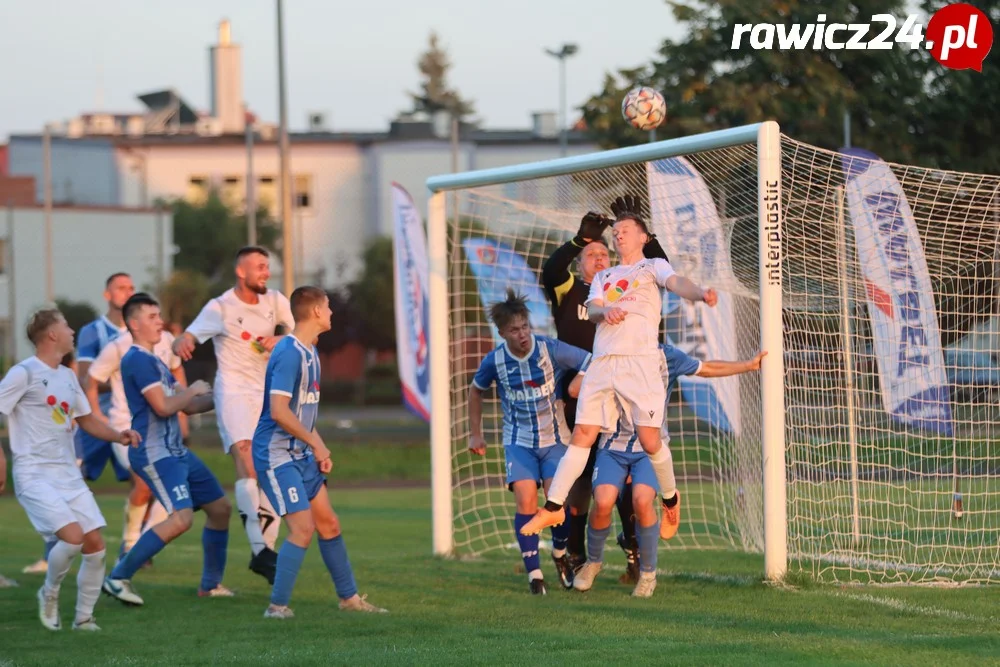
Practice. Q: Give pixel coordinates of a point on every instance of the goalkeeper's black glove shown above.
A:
(653, 249)
(592, 227)
(627, 204)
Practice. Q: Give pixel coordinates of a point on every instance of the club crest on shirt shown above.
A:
(613, 292)
(256, 344)
(61, 412)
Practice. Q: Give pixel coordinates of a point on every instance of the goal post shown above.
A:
(445, 288)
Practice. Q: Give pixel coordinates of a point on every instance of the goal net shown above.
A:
(863, 451)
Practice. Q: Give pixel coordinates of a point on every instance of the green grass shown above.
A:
(479, 611)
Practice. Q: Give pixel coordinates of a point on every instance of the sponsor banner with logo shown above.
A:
(496, 267)
(899, 294)
(688, 227)
(411, 300)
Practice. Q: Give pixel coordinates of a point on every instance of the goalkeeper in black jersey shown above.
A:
(567, 294)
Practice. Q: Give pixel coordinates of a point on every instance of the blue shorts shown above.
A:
(179, 482)
(613, 468)
(291, 485)
(95, 455)
(534, 464)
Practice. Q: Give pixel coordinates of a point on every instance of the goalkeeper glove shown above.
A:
(627, 204)
(592, 227)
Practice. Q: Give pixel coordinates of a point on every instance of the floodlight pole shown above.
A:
(287, 250)
(566, 51)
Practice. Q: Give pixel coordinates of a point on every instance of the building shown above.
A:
(88, 244)
(341, 180)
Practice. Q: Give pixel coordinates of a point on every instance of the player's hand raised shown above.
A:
(710, 297)
(592, 226)
(129, 438)
(477, 445)
(200, 388)
(183, 347)
(755, 362)
(614, 315)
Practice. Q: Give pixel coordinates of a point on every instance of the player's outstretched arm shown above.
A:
(687, 289)
(100, 430)
(477, 443)
(167, 406)
(719, 369)
(198, 405)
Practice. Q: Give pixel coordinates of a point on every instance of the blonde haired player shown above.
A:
(626, 371)
(241, 324)
(42, 399)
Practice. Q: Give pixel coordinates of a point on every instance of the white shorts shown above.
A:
(626, 386)
(237, 415)
(53, 505)
(121, 454)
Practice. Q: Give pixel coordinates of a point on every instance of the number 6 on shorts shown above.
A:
(293, 494)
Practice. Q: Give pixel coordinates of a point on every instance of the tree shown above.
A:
(209, 235)
(435, 95)
(709, 86)
(77, 313)
(372, 296)
(183, 295)
(345, 320)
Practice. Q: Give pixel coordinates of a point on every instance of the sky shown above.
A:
(353, 61)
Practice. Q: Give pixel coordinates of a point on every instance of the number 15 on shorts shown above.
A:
(181, 492)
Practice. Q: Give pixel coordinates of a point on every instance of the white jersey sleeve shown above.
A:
(12, 388)
(596, 289)
(284, 312)
(164, 350)
(663, 271)
(107, 363)
(209, 323)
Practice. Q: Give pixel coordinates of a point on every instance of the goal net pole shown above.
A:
(766, 136)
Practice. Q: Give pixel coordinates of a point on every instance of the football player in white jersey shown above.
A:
(625, 374)
(42, 399)
(142, 510)
(241, 324)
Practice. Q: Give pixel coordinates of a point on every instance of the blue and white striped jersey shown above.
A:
(161, 437)
(530, 390)
(679, 364)
(293, 371)
(92, 338)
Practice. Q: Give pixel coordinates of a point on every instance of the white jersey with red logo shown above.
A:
(236, 329)
(41, 403)
(635, 288)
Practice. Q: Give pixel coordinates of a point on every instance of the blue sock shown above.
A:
(148, 546)
(334, 554)
(290, 557)
(560, 536)
(528, 543)
(649, 539)
(48, 549)
(214, 544)
(595, 543)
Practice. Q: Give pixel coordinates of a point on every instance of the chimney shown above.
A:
(544, 125)
(226, 75)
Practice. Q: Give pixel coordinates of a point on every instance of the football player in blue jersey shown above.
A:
(178, 478)
(528, 370)
(291, 460)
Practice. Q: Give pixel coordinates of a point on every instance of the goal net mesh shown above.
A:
(871, 487)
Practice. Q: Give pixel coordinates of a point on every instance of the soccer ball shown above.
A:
(644, 108)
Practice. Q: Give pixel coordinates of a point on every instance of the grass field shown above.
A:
(710, 608)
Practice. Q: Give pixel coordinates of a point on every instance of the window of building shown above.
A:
(197, 190)
(267, 193)
(303, 191)
(232, 192)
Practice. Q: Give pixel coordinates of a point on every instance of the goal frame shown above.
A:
(767, 137)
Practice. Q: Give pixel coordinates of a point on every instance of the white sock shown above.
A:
(570, 467)
(248, 504)
(663, 466)
(60, 558)
(88, 584)
(269, 522)
(157, 514)
(134, 514)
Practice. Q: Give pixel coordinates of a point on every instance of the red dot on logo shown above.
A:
(260, 338)
(64, 405)
(622, 285)
(245, 335)
(606, 286)
(51, 400)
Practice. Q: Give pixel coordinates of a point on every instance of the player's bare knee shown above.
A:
(181, 522)
(328, 527)
(301, 527)
(219, 512)
(93, 542)
(604, 500)
(526, 497)
(71, 534)
(643, 498)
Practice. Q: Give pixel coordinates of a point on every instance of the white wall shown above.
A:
(88, 245)
(334, 228)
